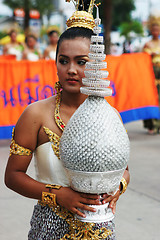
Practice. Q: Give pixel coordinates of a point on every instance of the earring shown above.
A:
(58, 87)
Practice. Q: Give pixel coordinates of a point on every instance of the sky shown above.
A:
(5, 10)
(145, 7)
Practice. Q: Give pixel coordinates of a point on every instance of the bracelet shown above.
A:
(53, 186)
(49, 199)
(123, 185)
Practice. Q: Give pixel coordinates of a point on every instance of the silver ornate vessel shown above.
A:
(94, 146)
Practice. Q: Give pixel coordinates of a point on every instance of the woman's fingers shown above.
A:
(86, 207)
(90, 196)
(112, 205)
(109, 198)
(78, 212)
(90, 201)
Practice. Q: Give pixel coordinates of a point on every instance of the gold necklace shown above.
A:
(57, 117)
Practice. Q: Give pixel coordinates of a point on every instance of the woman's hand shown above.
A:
(72, 200)
(112, 200)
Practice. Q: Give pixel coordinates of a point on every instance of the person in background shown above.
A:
(153, 48)
(14, 47)
(116, 49)
(31, 52)
(50, 51)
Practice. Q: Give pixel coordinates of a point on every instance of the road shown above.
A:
(138, 210)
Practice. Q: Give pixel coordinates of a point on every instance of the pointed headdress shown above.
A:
(82, 17)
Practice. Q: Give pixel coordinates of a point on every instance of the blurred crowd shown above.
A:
(30, 48)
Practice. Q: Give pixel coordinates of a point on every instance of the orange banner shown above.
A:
(132, 81)
(23, 82)
(131, 75)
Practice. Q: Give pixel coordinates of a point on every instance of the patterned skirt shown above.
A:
(59, 224)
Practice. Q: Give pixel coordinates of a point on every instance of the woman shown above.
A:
(153, 48)
(50, 51)
(31, 52)
(14, 47)
(38, 130)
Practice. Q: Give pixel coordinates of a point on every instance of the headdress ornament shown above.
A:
(94, 83)
(82, 17)
(53, 28)
(154, 18)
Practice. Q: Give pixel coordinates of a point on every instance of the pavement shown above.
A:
(138, 210)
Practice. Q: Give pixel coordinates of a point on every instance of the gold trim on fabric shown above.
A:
(54, 139)
(79, 230)
(17, 149)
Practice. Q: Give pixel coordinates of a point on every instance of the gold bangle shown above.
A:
(49, 199)
(124, 185)
(53, 186)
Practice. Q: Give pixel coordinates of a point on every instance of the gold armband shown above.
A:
(18, 150)
(49, 199)
(123, 185)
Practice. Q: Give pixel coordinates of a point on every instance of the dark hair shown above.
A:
(73, 33)
(51, 32)
(155, 25)
(30, 35)
(12, 31)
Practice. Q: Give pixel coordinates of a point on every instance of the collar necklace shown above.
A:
(57, 117)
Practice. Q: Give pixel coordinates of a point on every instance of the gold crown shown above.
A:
(53, 28)
(153, 20)
(81, 18)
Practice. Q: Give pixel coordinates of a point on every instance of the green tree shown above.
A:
(126, 28)
(122, 10)
(44, 7)
(114, 12)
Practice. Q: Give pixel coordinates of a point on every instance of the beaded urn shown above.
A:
(94, 146)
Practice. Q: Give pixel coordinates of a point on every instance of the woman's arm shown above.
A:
(46, 53)
(26, 132)
(5, 49)
(26, 135)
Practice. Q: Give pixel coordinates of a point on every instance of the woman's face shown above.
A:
(13, 36)
(54, 38)
(31, 42)
(155, 31)
(71, 60)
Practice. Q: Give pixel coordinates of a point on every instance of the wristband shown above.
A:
(53, 186)
(123, 185)
(49, 199)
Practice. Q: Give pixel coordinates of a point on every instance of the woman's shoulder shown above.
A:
(41, 106)
(148, 44)
(32, 119)
(36, 112)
